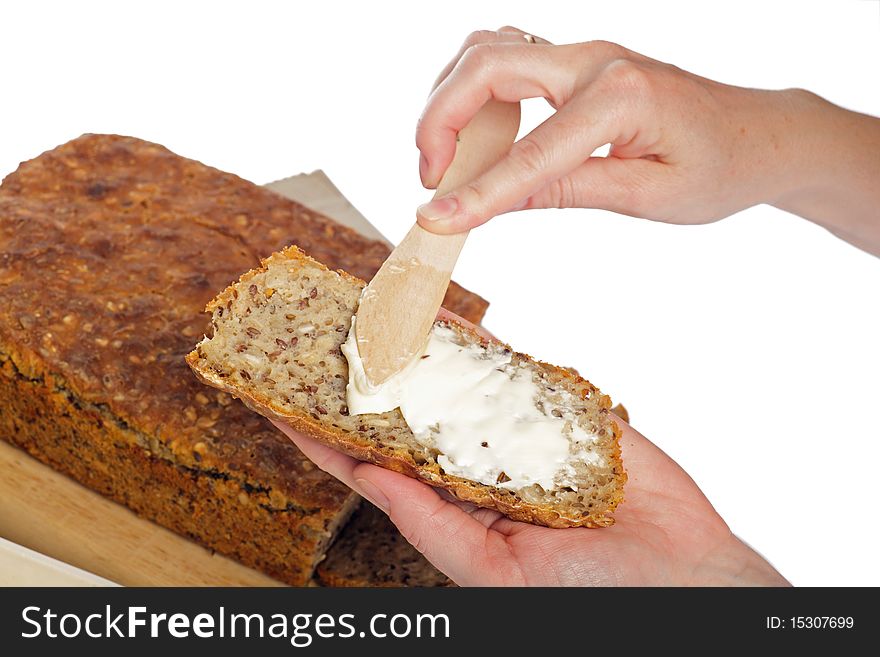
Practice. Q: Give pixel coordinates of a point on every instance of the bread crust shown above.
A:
(398, 460)
(88, 444)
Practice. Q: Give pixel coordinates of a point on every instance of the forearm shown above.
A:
(832, 176)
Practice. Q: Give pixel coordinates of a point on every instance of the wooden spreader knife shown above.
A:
(399, 306)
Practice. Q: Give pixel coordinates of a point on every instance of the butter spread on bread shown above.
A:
(482, 413)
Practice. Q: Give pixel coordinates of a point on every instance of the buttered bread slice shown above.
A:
(488, 424)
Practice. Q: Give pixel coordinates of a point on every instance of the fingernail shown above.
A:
(441, 208)
(369, 490)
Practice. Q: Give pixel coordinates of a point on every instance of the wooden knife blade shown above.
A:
(398, 307)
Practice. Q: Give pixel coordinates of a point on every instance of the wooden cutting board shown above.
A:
(45, 511)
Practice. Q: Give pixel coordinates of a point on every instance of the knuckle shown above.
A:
(562, 193)
(474, 196)
(529, 155)
(477, 56)
(479, 36)
(603, 49)
(423, 141)
(627, 75)
(468, 63)
(428, 135)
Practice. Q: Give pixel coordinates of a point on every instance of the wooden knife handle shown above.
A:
(484, 141)
(399, 306)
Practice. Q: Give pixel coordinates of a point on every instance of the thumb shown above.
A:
(547, 153)
(533, 161)
(625, 186)
(449, 537)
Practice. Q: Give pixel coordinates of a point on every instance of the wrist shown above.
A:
(803, 129)
(733, 563)
(827, 171)
(781, 143)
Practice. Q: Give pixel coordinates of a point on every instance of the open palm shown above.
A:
(666, 531)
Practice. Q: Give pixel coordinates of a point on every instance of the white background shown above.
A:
(747, 349)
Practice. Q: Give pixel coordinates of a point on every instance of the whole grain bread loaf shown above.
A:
(276, 344)
(371, 552)
(110, 247)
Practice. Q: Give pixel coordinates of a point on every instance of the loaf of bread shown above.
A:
(110, 247)
(277, 344)
(371, 552)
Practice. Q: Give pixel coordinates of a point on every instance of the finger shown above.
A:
(450, 538)
(656, 484)
(328, 459)
(507, 33)
(504, 71)
(552, 150)
(632, 187)
(448, 314)
(489, 518)
(343, 466)
(507, 72)
(504, 34)
(486, 517)
(527, 37)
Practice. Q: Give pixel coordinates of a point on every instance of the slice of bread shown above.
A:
(276, 344)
